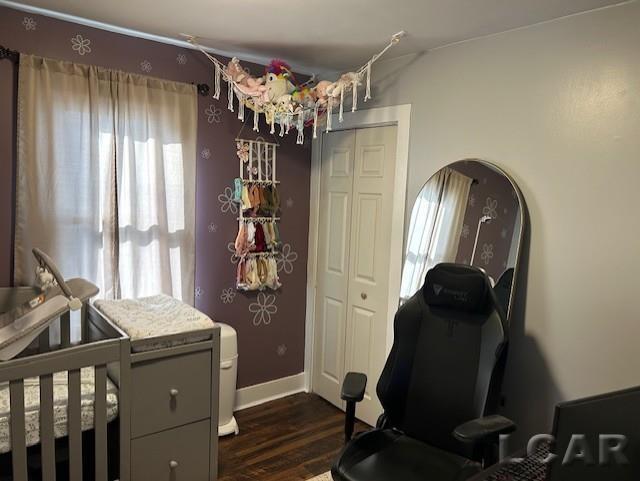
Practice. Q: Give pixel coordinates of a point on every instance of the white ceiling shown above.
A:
(323, 35)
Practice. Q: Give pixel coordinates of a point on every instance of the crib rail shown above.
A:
(97, 355)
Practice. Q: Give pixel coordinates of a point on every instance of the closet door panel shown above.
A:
(362, 327)
(338, 232)
(332, 280)
(368, 287)
(333, 312)
(367, 218)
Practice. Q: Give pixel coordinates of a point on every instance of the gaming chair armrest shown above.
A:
(353, 389)
(484, 430)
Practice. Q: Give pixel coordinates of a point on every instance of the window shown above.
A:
(106, 178)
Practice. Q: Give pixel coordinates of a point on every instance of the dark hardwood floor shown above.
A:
(291, 439)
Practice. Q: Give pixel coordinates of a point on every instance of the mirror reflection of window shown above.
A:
(470, 213)
(435, 227)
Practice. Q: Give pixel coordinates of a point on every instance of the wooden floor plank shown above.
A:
(291, 439)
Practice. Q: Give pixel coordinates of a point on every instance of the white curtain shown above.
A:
(106, 177)
(435, 227)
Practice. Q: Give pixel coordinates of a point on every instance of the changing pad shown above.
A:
(156, 316)
(60, 400)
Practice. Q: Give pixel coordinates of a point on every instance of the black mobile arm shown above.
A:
(353, 389)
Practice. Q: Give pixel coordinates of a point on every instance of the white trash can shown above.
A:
(228, 377)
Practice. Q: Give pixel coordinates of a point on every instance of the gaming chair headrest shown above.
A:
(458, 287)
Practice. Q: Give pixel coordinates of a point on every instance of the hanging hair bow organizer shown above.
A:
(258, 241)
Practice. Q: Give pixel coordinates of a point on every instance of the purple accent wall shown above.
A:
(8, 81)
(270, 326)
(492, 195)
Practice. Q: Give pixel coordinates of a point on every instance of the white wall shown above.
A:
(557, 105)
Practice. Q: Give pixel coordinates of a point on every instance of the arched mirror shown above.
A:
(470, 212)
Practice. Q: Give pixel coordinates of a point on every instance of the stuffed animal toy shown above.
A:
(350, 77)
(235, 71)
(44, 279)
(334, 89)
(279, 67)
(245, 83)
(279, 78)
(320, 92)
(278, 85)
(285, 104)
(254, 88)
(345, 82)
(303, 96)
(254, 83)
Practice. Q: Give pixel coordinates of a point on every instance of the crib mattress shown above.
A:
(60, 401)
(156, 316)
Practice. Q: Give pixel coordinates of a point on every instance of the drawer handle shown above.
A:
(173, 464)
(173, 392)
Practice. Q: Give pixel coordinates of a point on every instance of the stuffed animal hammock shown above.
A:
(283, 101)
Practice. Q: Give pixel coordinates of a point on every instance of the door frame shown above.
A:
(400, 116)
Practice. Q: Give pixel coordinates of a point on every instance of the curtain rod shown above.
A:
(9, 54)
(14, 56)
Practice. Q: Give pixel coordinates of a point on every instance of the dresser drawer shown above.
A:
(180, 454)
(170, 392)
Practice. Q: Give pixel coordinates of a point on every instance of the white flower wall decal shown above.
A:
(81, 45)
(181, 59)
(231, 247)
(213, 113)
(491, 208)
(199, 292)
(227, 202)
(281, 350)
(213, 228)
(146, 66)
(227, 295)
(465, 230)
(487, 253)
(29, 23)
(206, 153)
(263, 309)
(286, 258)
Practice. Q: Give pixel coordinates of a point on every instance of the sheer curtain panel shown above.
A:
(106, 177)
(435, 227)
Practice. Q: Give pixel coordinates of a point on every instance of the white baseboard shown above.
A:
(251, 396)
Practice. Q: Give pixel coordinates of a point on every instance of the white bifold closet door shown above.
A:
(357, 179)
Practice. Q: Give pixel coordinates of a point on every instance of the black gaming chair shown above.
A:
(439, 387)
